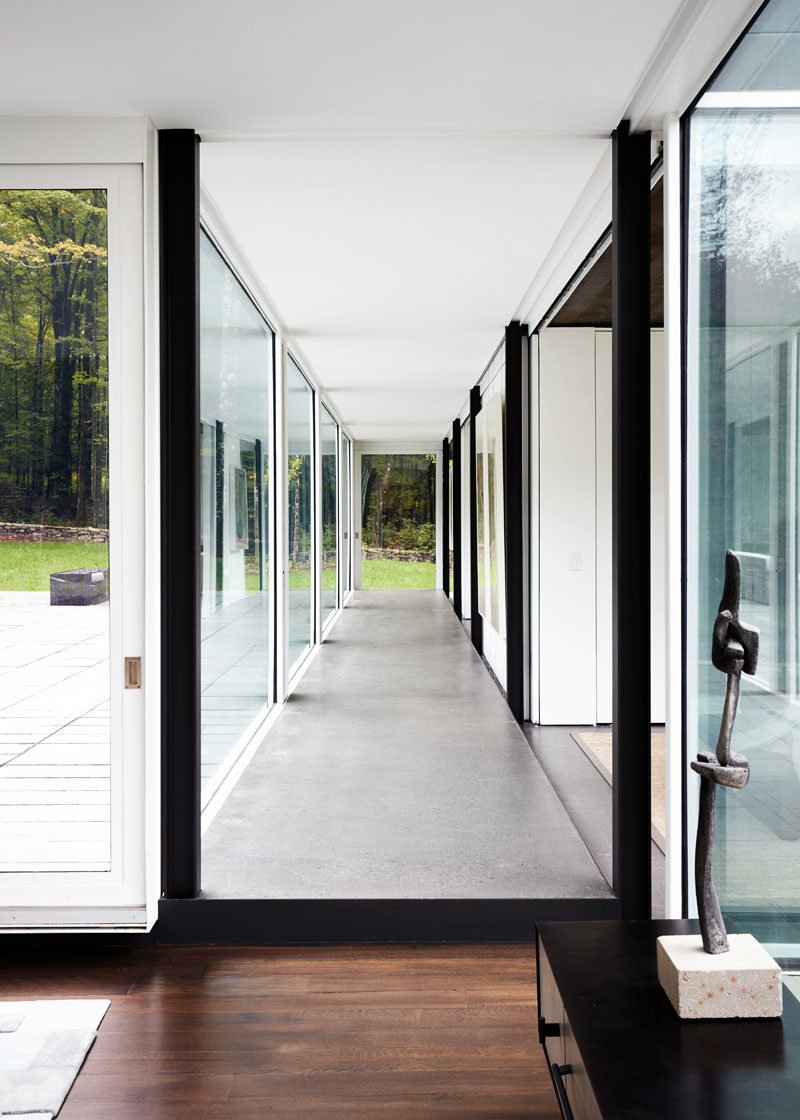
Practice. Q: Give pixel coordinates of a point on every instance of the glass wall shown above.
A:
(345, 566)
(329, 440)
(300, 425)
(743, 465)
(236, 395)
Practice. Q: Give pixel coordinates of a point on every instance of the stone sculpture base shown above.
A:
(744, 983)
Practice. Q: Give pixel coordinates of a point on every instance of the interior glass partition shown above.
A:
(236, 400)
(329, 441)
(300, 426)
(743, 488)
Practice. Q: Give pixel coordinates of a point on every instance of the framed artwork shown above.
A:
(240, 534)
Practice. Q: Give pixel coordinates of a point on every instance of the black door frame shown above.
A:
(184, 916)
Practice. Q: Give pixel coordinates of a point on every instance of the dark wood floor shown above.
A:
(396, 1033)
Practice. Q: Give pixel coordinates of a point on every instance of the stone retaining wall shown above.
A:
(11, 531)
(399, 554)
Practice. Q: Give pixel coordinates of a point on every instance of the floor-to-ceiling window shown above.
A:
(329, 442)
(743, 424)
(236, 395)
(346, 485)
(300, 427)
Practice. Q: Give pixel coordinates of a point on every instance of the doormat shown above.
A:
(597, 746)
(42, 1046)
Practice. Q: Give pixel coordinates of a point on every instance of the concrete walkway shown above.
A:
(396, 771)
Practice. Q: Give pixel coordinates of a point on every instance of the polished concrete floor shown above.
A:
(586, 795)
(396, 771)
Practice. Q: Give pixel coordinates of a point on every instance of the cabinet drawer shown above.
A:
(551, 1010)
(579, 1091)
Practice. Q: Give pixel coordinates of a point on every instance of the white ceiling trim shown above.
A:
(701, 35)
(576, 238)
(221, 136)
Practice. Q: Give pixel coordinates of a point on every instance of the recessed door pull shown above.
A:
(133, 672)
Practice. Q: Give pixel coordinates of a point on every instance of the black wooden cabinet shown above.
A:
(617, 1051)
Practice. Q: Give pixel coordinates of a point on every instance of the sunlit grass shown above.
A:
(27, 565)
(400, 574)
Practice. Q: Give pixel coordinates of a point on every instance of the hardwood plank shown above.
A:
(395, 1033)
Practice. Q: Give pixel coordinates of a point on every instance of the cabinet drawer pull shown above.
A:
(558, 1074)
(548, 1030)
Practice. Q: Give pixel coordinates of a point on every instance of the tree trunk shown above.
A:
(59, 473)
(296, 527)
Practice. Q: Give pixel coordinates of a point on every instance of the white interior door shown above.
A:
(72, 762)
(603, 347)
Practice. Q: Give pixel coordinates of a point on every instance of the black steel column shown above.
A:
(476, 622)
(446, 516)
(179, 237)
(457, 517)
(516, 344)
(631, 519)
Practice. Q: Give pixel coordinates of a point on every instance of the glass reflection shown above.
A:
(300, 401)
(744, 487)
(346, 560)
(329, 436)
(236, 357)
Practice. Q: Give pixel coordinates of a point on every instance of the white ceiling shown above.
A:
(396, 263)
(415, 161)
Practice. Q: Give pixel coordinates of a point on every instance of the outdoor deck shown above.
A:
(54, 735)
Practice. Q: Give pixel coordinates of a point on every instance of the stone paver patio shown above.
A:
(55, 773)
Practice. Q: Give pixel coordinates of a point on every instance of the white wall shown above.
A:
(567, 657)
(575, 611)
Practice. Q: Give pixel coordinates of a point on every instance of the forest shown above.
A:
(398, 502)
(54, 357)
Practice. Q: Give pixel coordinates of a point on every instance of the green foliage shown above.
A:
(409, 536)
(27, 565)
(53, 356)
(399, 574)
(398, 501)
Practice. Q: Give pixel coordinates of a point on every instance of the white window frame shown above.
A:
(124, 897)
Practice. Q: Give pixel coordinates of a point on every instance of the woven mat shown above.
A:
(42, 1046)
(597, 746)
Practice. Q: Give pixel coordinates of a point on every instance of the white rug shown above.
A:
(42, 1047)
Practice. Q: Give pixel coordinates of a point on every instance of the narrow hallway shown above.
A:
(396, 771)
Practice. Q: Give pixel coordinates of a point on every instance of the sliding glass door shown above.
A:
(72, 560)
(346, 484)
(300, 475)
(237, 650)
(329, 450)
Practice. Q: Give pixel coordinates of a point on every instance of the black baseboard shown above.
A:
(362, 921)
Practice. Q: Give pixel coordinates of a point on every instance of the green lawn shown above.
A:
(26, 565)
(383, 574)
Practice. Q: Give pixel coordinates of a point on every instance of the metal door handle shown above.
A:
(559, 1073)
